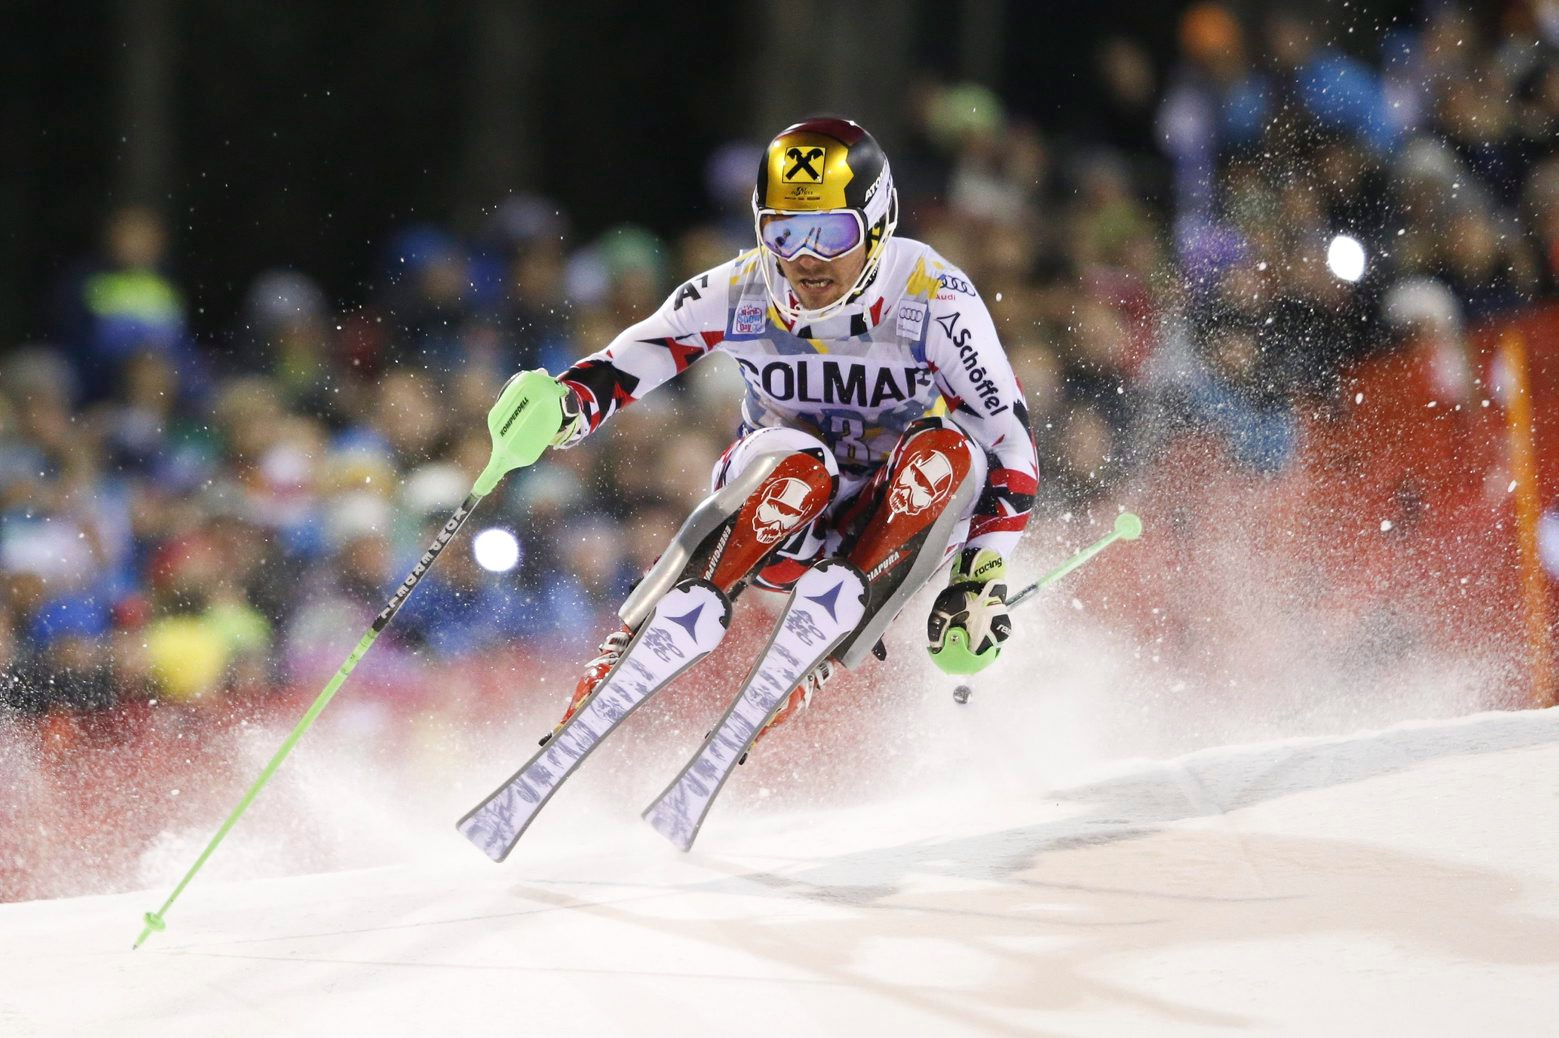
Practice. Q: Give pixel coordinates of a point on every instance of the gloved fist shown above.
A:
(969, 619)
(533, 412)
(571, 425)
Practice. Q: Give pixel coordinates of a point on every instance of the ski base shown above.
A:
(826, 606)
(685, 626)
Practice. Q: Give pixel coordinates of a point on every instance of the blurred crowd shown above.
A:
(1208, 250)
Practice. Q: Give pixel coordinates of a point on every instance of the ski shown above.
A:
(686, 624)
(827, 604)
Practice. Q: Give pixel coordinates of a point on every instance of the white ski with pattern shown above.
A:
(686, 624)
(828, 602)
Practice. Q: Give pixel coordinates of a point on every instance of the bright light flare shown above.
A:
(1345, 258)
(496, 550)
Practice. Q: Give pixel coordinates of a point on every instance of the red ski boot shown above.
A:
(797, 701)
(611, 650)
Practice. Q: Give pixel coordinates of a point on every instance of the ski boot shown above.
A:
(799, 699)
(611, 650)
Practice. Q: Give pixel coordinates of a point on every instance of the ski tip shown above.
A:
(671, 828)
(475, 836)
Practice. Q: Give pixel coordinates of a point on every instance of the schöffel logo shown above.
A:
(969, 357)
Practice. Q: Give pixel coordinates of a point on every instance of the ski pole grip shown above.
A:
(522, 423)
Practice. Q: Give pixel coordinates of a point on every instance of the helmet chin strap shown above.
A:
(800, 314)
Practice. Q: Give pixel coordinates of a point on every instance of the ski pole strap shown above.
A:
(1127, 528)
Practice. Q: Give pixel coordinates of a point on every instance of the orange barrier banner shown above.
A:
(1529, 510)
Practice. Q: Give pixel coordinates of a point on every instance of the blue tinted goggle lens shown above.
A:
(825, 235)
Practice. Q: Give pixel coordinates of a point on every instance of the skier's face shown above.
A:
(818, 283)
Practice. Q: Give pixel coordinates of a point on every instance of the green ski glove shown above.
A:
(534, 411)
(969, 619)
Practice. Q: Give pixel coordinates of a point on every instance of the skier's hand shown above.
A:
(534, 411)
(969, 620)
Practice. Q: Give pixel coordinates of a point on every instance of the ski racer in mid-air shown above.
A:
(848, 338)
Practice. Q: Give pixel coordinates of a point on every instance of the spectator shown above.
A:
(143, 503)
(1322, 85)
(288, 326)
(1540, 206)
(1234, 394)
(429, 304)
(531, 318)
(124, 302)
(1488, 271)
(1211, 106)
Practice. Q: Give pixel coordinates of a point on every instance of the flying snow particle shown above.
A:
(496, 550)
(1385, 525)
(1345, 258)
(1548, 541)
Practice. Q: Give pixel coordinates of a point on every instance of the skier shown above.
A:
(882, 423)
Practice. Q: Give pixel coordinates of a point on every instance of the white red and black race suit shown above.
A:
(856, 380)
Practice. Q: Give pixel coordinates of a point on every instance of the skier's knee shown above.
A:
(930, 462)
(778, 512)
(753, 511)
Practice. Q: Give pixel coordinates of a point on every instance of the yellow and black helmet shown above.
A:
(824, 188)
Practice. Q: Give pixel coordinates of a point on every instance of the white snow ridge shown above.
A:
(1398, 882)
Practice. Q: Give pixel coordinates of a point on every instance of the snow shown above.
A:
(1403, 881)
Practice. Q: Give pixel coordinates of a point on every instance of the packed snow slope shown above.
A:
(1404, 881)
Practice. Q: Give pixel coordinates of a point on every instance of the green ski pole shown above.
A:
(1127, 528)
(523, 423)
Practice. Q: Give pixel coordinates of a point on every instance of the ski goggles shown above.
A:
(826, 235)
